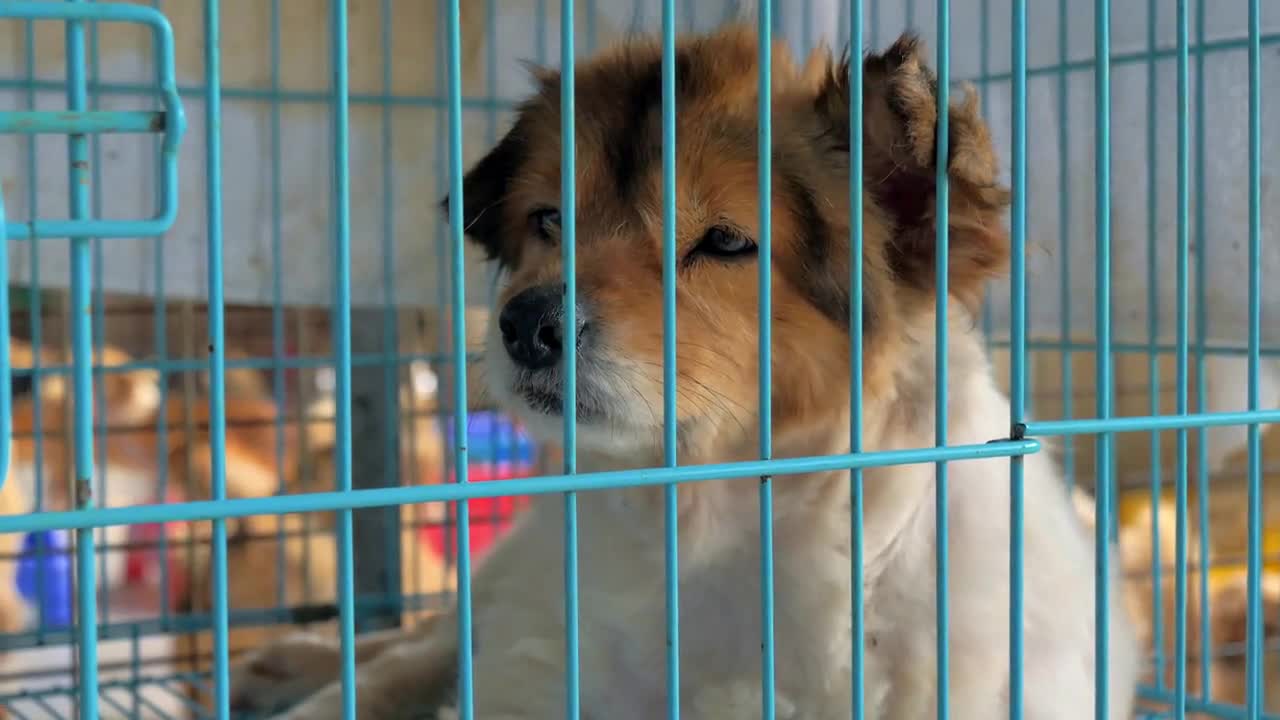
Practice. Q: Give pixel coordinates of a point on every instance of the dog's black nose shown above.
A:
(19, 383)
(531, 325)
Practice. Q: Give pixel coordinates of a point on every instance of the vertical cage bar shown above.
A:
(35, 318)
(941, 266)
(101, 467)
(1153, 356)
(393, 420)
(217, 352)
(568, 240)
(1254, 658)
(444, 246)
(764, 122)
(277, 291)
(1202, 330)
(1102, 230)
(161, 349)
(670, 418)
(466, 699)
(1064, 234)
(82, 379)
(855, 354)
(1018, 353)
(1180, 479)
(341, 330)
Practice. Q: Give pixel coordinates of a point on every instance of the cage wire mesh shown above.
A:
(139, 306)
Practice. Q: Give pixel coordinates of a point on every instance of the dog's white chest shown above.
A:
(721, 640)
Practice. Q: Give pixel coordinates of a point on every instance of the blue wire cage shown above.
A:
(240, 336)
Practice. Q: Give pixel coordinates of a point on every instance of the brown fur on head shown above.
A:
(131, 397)
(511, 198)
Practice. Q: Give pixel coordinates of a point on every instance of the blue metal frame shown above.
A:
(82, 123)
(218, 358)
(457, 242)
(1018, 353)
(942, 253)
(377, 497)
(856, 420)
(670, 418)
(764, 114)
(171, 123)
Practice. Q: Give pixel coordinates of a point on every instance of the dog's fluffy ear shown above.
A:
(899, 136)
(484, 191)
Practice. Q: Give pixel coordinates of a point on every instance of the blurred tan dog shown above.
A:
(42, 461)
(1139, 547)
(273, 562)
(284, 568)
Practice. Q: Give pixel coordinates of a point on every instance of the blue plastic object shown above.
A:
(44, 578)
(494, 439)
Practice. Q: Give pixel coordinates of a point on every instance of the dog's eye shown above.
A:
(723, 242)
(545, 221)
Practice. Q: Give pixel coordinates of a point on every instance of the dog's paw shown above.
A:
(279, 675)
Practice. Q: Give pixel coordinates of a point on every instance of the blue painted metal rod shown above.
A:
(176, 365)
(1182, 302)
(568, 243)
(98, 229)
(1104, 398)
(856, 420)
(341, 339)
(1018, 365)
(82, 380)
(941, 406)
(486, 103)
(172, 120)
(35, 10)
(24, 122)
(404, 495)
(1255, 659)
(764, 128)
(218, 356)
(1148, 422)
(670, 418)
(465, 694)
(1221, 711)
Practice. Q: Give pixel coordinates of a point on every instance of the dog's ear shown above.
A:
(899, 137)
(484, 191)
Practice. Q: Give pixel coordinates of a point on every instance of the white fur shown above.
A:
(519, 611)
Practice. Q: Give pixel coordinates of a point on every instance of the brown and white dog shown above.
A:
(43, 451)
(1149, 537)
(510, 209)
